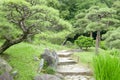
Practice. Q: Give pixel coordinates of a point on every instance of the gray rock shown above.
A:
(83, 78)
(6, 76)
(4, 66)
(40, 65)
(51, 58)
(59, 76)
(46, 77)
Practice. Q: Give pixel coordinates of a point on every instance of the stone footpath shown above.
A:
(70, 69)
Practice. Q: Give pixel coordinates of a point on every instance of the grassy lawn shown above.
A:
(21, 58)
(86, 57)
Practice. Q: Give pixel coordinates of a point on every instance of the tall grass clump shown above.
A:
(106, 67)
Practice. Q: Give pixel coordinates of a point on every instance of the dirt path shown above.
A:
(70, 69)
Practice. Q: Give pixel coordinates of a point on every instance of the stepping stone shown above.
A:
(67, 53)
(66, 61)
(73, 70)
(77, 77)
(70, 69)
(64, 54)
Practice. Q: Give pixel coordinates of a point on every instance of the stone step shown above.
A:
(78, 77)
(67, 53)
(66, 61)
(74, 70)
(64, 54)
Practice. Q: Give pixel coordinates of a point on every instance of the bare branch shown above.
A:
(22, 26)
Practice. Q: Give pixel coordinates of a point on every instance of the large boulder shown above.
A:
(4, 66)
(51, 58)
(46, 77)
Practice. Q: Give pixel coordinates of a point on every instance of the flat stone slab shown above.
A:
(64, 54)
(67, 53)
(66, 61)
(78, 77)
(74, 70)
(70, 69)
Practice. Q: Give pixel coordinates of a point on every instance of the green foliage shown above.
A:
(69, 8)
(49, 70)
(81, 25)
(100, 18)
(103, 45)
(21, 58)
(114, 52)
(37, 16)
(23, 18)
(112, 39)
(53, 3)
(106, 67)
(51, 37)
(83, 41)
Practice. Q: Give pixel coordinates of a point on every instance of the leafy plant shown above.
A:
(83, 41)
(50, 70)
(47, 69)
(103, 46)
(106, 67)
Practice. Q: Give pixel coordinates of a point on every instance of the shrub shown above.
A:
(106, 67)
(47, 69)
(50, 70)
(103, 45)
(83, 41)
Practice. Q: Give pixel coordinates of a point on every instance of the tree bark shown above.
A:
(91, 35)
(8, 43)
(97, 42)
(5, 46)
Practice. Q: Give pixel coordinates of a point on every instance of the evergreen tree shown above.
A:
(21, 18)
(99, 18)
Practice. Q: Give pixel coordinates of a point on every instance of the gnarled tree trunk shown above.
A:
(5, 46)
(9, 43)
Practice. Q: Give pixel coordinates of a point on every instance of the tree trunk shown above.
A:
(97, 42)
(91, 35)
(5, 46)
(64, 42)
(9, 43)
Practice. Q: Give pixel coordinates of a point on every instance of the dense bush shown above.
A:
(103, 45)
(106, 67)
(83, 41)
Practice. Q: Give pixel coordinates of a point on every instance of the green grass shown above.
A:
(86, 57)
(20, 56)
(21, 59)
(106, 67)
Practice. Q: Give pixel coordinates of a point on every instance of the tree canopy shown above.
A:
(22, 18)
